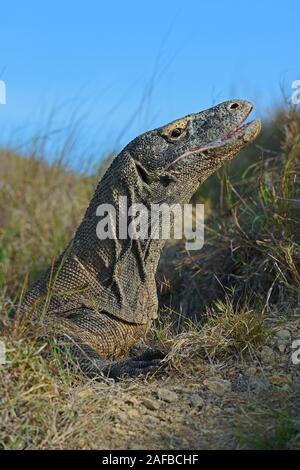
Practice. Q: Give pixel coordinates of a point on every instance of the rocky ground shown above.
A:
(252, 403)
(249, 402)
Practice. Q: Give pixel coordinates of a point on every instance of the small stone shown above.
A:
(284, 339)
(267, 355)
(152, 420)
(121, 416)
(196, 401)
(218, 386)
(167, 395)
(258, 383)
(150, 404)
(284, 335)
(178, 442)
(133, 413)
(251, 371)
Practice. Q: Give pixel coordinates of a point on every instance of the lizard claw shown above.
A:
(131, 368)
(146, 353)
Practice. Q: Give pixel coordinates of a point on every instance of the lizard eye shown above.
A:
(176, 133)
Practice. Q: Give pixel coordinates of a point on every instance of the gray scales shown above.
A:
(100, 296)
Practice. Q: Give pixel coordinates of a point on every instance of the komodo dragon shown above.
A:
(100, 296)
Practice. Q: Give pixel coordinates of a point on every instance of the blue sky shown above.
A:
(99, 60)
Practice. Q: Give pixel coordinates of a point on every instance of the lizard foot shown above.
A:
(143, 352)
(132, 367)
(95, 366)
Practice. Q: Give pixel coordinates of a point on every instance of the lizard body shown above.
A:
(100, 294)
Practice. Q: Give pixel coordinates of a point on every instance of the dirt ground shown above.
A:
(250, 403)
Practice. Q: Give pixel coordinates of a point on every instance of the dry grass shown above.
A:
(271, 423)
(226, 332)
(47, 407)
(40, 205)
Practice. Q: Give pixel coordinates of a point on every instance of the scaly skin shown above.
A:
(100, 295)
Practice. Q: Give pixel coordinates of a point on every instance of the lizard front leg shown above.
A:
(98, 342)
(93, 365)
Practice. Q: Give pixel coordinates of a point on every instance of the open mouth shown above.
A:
(246, 133)
(240, 131)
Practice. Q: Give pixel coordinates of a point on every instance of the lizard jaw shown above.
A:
(247, 132)
(239, 137)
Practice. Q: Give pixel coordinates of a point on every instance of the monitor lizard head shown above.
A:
(172, 161)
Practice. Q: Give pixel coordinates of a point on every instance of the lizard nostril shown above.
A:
(234, 106)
